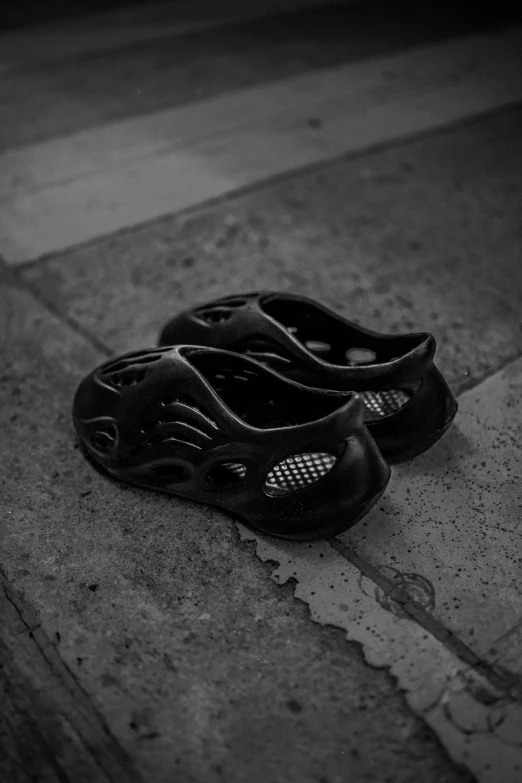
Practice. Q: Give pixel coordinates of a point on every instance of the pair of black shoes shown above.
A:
(270, 406)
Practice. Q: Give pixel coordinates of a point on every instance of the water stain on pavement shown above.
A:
(406, 587)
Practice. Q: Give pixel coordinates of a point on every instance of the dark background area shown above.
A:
(32, 12)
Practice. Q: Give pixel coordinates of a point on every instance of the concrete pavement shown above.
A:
(147, 638)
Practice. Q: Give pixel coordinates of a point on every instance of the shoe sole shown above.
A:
(416, 449)
(335, 527)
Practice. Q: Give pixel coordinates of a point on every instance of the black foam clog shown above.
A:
(220, 428)
(407, 403)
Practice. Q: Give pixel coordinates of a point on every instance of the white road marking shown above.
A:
(75, 188)
(436, 496)
(128, 26)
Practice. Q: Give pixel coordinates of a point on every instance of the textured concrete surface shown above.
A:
(454, 516)
(443, 548)
(425, 235)
(73, 93)
(154, 638)
(71, 29)
(96, 182)
(200, 665)
(49, 730)
(474, 710)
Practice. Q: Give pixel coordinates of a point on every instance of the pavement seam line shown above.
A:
(27, 717)
(474, 383)
(464, 710)
(68, 320)
(502, 680)
(67, 681)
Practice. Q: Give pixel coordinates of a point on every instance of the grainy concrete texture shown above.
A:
(203, 669)
(64, 95)
(454, 515)
(425, 235)
(147, 638)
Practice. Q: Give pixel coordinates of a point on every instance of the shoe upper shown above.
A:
(304, 341)
(406, 400)
(222, 428)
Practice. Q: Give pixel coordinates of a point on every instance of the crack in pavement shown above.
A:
(475, 716)
(73, 703)
(499, 678)
(16, 277)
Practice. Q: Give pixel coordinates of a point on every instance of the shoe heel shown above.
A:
(420, 424)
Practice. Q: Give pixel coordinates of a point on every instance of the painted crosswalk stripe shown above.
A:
(70, 190)
(124, 27)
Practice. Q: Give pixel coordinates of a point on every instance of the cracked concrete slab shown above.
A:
(46, 718)
(195, 660)
(447, 537)
(478, 723)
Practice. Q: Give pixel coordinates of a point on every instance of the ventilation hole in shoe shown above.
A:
(227, 474)
(172, 471)
(298, 472)
(221, 380)
(219, 312)
(104, 438)
(216, 316)
(127, 378)
(318, 347)
(357, 356)
(378, 404)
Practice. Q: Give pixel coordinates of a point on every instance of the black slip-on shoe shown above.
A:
(407, 403)
(223, 429)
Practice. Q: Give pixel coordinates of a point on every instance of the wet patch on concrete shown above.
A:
(465, 709)
(406, 587)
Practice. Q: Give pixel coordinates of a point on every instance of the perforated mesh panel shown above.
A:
(298, 472)
(378, 404)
